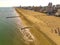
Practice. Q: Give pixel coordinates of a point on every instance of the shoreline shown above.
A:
(27, 36)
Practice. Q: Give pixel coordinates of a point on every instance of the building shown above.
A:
(49, 8)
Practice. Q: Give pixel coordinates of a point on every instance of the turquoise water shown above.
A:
(9, 31)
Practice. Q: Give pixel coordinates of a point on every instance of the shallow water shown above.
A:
(9, 28)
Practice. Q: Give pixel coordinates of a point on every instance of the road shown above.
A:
(10, 27)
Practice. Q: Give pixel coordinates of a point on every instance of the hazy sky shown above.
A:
(10, 3)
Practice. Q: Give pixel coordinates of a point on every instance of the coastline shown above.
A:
(26, 34)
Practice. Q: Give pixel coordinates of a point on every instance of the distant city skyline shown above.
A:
(11, 3)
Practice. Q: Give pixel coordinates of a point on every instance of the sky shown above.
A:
(11, 3)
